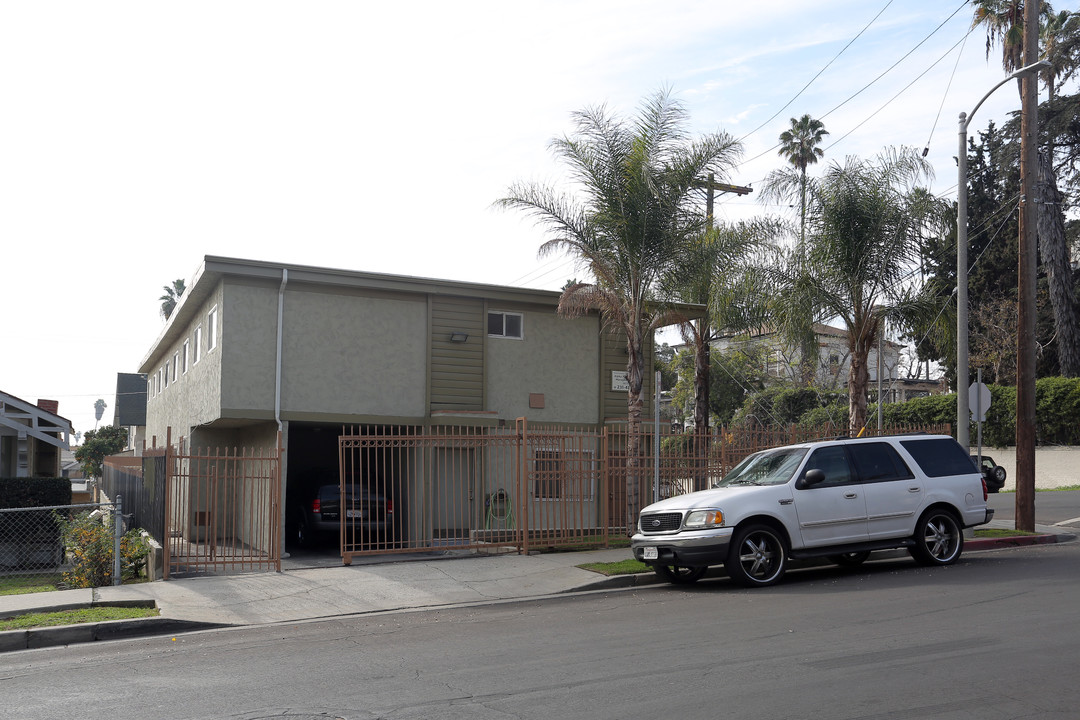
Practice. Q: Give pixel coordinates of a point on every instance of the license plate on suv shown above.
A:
(649, 553)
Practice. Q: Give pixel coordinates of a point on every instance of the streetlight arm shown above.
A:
(1033, 67)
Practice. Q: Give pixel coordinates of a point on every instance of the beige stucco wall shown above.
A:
(249, 348)
(345, 355)
(354, 355)
(194, 397)
(558, 358)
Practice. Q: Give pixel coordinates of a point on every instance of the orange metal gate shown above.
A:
(222, 509)
(410, 489)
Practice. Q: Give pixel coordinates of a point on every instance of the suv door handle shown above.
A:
(914, 489)
(850, 495)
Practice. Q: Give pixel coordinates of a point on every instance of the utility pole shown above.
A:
(1027, 261)
(712, 186)
(702, 350)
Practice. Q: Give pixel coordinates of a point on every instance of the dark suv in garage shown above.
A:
(315, 514)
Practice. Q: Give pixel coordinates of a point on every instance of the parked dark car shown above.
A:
(993, 473)
(315, 515)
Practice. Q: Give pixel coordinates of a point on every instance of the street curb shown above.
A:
(1017, 541)
(11, 640)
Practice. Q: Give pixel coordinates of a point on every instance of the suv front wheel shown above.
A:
(678, 574)
(939, 540)
(757, 557)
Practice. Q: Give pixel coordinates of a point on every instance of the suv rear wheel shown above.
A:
(939, 539)
(757, 557)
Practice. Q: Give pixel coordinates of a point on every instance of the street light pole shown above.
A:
(963, 372)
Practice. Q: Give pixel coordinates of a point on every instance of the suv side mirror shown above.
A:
(812, 477)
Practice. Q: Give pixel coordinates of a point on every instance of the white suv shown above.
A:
(840, 499)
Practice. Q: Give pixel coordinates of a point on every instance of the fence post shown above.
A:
(118, 531)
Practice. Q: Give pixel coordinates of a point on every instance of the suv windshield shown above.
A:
(772, 467)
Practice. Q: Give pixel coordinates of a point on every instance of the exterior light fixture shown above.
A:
(459, 337)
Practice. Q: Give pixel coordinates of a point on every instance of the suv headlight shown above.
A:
(701, 519)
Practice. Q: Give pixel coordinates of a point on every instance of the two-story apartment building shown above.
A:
(254, 348)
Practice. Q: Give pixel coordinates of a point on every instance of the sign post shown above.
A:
(979, 403)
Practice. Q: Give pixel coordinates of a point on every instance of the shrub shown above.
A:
(89, 544)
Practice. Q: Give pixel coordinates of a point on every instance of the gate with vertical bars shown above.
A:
(222, 509)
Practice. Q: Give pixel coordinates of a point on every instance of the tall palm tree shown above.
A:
(171, 297)
(99, 410)
(633, 212)
(799, 146)
(863, 232)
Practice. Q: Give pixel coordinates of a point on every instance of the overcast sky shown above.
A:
(137, 137)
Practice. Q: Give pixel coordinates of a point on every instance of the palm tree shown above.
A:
(799, 146)
(99, 410)
(632, 214)
(863, 232)
(1003, 21)
(171, 297)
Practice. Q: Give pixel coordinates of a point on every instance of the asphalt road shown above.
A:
(1052, 507)
(995, 636)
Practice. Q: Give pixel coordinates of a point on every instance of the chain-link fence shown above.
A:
(59, 546)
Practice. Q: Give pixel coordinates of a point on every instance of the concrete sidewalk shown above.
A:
(386, 584)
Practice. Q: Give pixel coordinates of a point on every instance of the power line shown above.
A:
(819, 73)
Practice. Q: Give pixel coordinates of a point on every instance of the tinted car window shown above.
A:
(876, 462)
(833, 462)
(938, 457)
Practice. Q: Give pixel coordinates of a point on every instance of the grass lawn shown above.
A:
(74, 617)
(22, 584)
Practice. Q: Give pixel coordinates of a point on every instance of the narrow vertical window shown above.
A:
(198, 344)
(184, 356)
(211, 329)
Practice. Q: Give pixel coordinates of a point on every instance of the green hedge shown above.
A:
(24, 492)
(34, 492)
(1057, 413)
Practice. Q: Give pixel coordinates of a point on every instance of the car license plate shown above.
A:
(649, 553)
(354, 514)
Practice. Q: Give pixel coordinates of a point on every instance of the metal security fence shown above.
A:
(222, 508)
(141, 482)
(33, 551)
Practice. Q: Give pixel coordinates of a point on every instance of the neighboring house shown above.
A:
(257, 347)
(31, 437)
(832, 364)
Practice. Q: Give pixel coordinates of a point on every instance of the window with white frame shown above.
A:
(211, 329)
(175, 362)
(561, 474)
(198, 345)
(165, 373)
(505, 324)
(184, 356)
(158, 389)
